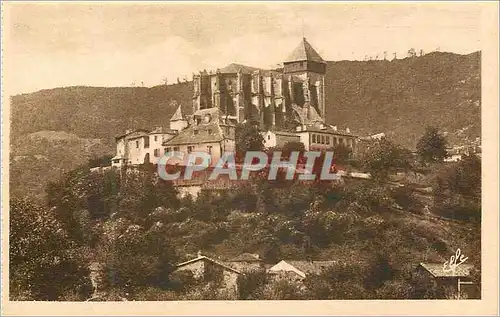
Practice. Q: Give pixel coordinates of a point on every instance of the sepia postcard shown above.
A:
(249, 158)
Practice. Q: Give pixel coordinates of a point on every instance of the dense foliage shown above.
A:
(431, 147)
(138, 227)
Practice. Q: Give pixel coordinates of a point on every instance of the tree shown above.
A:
(431, 147)
(251, 284)
(43, 263)
(341, 153)
(457, 189)
(142, 191)
(248, 138)
(140, 257)
(293, 146)
(412, 52)
(383, 158)
(340, 281)
(96, 161)
(379, 271)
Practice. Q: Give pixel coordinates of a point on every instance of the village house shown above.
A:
(278, 138)
(458, 280)
(144, 146)
(246, 262)
(317, 137)
(206, 132)
(297, 270)
(204, 268)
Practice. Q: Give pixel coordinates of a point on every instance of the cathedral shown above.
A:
(270, 97)
(288, 104)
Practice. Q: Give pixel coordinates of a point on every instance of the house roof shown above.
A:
(304, 52)
(206, 258)
(437, 270)
(284, 133)
(164, 131)
(177, 115)
(132, 132)
(301, 268)
(328, 129)
(246, 257)
(207, 133)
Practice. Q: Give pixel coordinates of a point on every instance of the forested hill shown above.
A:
(401, 97)
(98, 112)
(397, 97)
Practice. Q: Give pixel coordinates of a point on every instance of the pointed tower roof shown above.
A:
(177, 115)
(304, 52)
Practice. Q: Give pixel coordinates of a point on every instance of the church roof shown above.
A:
(177, 115)
(234, 68)
(304, 52)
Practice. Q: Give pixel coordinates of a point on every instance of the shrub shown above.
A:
(251, 284)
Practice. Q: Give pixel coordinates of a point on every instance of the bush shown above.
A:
(405, 197)
(251, 284)
(43, 265)
(283, 290)
(340, 281)
(150, 293)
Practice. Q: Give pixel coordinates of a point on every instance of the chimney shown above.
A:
(347, 130)
(128, 131)
(298, 129)
(199, 253)
(335, 128)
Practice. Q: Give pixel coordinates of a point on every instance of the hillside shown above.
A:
(397, 97)
(137, 228)
(401, 97)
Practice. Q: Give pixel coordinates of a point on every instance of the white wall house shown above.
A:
(139, 146)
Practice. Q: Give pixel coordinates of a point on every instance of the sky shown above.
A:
(116, 44)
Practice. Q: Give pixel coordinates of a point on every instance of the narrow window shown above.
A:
(196, 132)
(209, 148)
(176, 149)
(190, 149)
(137, 144)
(156, 138)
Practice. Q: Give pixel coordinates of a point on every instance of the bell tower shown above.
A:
(305, 66)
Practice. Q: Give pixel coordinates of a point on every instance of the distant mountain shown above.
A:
(397, 97)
